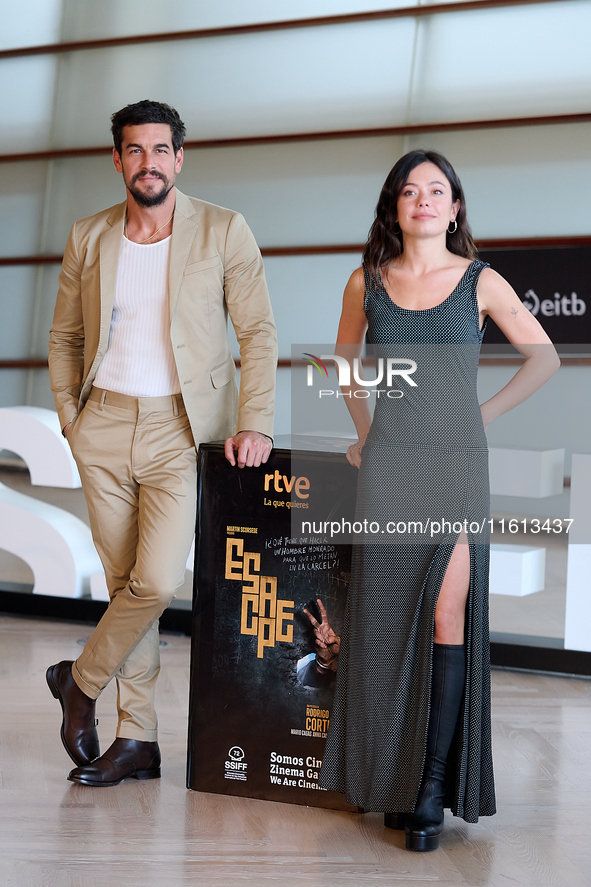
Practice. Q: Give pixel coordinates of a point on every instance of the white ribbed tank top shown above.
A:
(139, 359)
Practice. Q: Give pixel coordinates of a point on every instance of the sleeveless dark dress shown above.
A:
(425, 460)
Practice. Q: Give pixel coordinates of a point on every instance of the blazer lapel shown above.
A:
(184, 229)
(110, 247)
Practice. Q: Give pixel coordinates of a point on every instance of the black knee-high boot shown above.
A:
(424, 826)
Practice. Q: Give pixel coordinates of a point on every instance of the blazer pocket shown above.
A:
(223, 373)
(203, 265)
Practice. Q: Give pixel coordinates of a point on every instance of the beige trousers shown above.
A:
(136, 458)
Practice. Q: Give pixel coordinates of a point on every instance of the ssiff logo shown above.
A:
(386, 371)
(235, 766)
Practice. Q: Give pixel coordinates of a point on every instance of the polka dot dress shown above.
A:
(425, 476)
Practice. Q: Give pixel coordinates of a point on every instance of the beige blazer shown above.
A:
(216, 269)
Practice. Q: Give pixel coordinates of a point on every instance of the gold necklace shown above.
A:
(139, 242)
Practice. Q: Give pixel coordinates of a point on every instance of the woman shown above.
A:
(410, 726)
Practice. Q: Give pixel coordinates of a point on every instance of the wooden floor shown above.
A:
(157, 834)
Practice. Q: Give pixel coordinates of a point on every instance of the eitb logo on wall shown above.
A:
(554, 285)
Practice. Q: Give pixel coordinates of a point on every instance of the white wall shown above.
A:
(519, 182)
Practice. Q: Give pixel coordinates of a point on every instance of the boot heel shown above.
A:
(395, 820)
(147, 774)
(422, 843)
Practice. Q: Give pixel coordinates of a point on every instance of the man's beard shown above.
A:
(154, 199)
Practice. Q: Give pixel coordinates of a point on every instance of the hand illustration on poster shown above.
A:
(319, 668)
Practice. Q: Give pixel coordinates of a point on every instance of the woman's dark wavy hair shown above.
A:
(384, 243)
(148, 112)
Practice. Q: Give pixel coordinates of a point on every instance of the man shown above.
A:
(142, 372)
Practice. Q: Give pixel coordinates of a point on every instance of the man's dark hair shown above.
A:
(148, 112)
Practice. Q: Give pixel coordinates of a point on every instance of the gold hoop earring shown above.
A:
(394, 231)
(453, 230)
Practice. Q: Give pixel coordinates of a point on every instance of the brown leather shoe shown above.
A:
(126, 757)
(78, 730)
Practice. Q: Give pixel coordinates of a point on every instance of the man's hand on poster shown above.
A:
(252, 448)
(328, 643)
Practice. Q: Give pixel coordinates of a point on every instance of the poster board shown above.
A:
(259, 711)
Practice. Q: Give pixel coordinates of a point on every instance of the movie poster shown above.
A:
(259, 711)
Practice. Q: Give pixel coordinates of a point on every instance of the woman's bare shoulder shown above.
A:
(460, 262)
(353, 321)
(355, 289)
(357, 279)
(494, 287)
